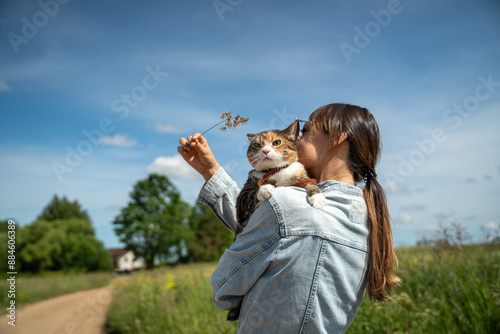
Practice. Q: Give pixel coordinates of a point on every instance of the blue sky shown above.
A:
(95, 94)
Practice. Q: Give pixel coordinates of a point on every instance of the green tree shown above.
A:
(154, 224)
(62, 238)
(4, 228)
(63, 244)
(63, 209)
(211, 236)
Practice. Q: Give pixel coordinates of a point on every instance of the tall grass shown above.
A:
(442, 292)
(48, 285)
(175, 300)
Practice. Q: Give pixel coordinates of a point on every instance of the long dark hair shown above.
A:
(364, 149)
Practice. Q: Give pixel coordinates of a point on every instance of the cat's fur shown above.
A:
(267, 150)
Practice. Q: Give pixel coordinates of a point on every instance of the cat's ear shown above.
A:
(290, 131)
(251, 136)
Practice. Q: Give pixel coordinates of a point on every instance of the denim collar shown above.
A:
(331, 185)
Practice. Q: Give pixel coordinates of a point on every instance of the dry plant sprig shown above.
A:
(229, 122)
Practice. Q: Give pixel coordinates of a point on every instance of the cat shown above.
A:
(273, 154)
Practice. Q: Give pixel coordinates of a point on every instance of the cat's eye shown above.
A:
(256, 145)
(276, 142)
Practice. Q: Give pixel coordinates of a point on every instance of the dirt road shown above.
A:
(81, 312)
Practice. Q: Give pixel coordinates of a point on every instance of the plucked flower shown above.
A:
(229, 122)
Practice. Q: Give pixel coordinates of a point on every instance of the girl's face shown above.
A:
(312, 148)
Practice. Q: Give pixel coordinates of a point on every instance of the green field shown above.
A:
(441, 292)
(177, 300)
(453, 291)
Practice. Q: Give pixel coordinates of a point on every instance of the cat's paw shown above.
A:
(317, 201)
(266, 191)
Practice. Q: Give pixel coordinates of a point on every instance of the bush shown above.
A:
(63, 244)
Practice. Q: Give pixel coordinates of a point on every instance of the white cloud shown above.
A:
(406, 219)
(491, 226)
(171, 166)
(393, 187)
(169, 128)
(118, 140)
(445, 214)
(4, 87)
(414, 207)
(114, 207)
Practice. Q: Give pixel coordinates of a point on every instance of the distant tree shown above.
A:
(63, 244)
(211, 236)
(63, 209)
(4, 223)
(154, 224)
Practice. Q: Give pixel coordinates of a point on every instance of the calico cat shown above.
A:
(273, 154)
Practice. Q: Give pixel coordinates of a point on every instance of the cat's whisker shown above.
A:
(254, 160)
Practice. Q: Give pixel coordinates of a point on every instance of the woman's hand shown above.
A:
(197, 153)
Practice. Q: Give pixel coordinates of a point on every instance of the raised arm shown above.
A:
(197, 154)
(220, 192)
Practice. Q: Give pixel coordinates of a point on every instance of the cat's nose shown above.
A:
(266, 150)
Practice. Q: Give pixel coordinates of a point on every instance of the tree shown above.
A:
(211, 236)
(154, 224)
(63, 209)
(4, 228)
(62, 238)
(62, 244)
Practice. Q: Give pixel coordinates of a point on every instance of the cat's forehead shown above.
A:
(267, 136)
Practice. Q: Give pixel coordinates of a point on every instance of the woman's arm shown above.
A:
(220, 192)
(248, 257)
(197, 154)
(241, 266)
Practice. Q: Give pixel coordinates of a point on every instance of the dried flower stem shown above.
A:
(212, 127)
(229, 122)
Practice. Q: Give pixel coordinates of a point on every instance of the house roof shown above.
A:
(117, 252)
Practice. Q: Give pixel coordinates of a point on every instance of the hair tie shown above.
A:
(371, 174)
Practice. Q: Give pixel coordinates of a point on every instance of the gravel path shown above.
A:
(82, 312)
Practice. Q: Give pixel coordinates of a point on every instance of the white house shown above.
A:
(125, 260)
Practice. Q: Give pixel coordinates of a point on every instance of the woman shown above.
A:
(297, 269)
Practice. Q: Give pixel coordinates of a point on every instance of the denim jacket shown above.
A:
(296, 269)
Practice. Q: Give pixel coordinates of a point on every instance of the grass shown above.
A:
(443, 291)
(448, 291)
(175, 300)
(48, 285)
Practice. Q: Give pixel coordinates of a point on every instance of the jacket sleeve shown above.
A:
(241, 266)
(220, 194)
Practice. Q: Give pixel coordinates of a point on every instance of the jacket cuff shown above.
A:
(215, 188)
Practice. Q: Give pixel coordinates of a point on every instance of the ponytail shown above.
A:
(364, 148)
(381, 257)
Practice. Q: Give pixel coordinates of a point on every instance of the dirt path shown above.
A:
(82, 312)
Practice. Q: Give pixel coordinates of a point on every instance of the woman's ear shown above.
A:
(342, 139)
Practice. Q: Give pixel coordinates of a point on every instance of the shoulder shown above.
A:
(287, 212)
(290, 194)
(271, 212)
(344, 203)
(287, 204)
